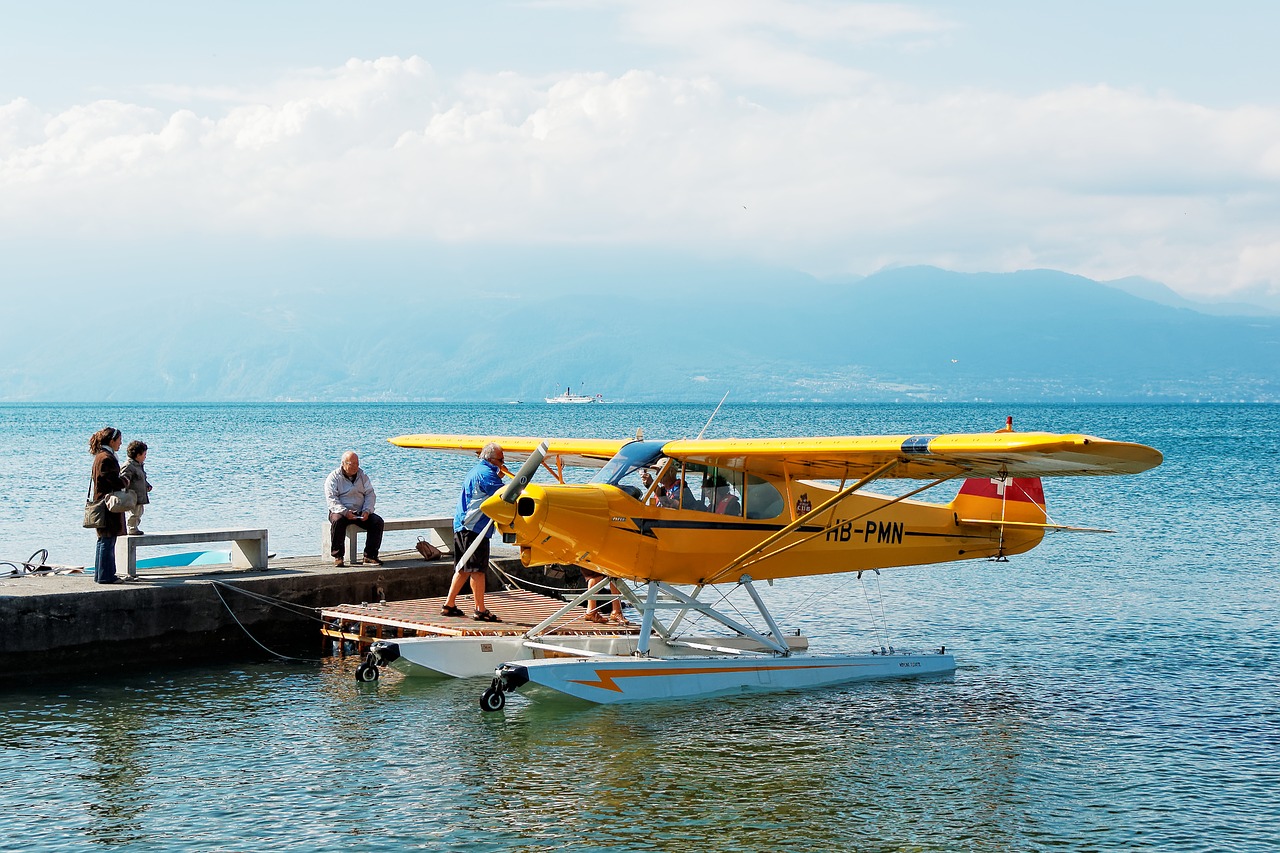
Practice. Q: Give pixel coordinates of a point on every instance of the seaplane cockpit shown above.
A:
(643, 471)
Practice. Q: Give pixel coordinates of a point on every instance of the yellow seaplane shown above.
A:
(665, 521)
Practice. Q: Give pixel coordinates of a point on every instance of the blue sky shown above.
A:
(1105, 139)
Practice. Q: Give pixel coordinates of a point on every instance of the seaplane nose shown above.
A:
(531, 510)
(553, 523)
(499, 510)
(523, 517)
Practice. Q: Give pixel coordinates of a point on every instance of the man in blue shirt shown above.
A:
(484, 480)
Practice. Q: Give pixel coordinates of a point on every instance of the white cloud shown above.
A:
(682, 23)
(776, 44)
(1094, 180)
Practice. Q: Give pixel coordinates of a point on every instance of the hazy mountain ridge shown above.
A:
(916, 333)
(1154, 291)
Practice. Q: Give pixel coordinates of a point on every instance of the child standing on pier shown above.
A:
(135, 478)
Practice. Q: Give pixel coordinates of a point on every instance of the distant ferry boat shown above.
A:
(566, 397)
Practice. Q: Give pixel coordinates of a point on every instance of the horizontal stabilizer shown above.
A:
(1034, 525)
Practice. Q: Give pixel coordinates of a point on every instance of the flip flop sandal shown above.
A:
(485, 616)
(451, 611)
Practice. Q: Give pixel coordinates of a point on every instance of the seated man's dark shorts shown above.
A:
(479, 561)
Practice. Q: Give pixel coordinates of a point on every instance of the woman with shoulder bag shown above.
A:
(103, 444)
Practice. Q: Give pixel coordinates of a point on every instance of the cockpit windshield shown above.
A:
(633, 456)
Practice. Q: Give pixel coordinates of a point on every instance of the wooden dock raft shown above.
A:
(519, 611)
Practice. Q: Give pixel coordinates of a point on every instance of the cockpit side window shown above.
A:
(678, 486)
(762, 499)
(722, 491)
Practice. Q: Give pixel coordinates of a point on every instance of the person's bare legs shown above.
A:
(616, 609)
(593, 606)
(616, 617)
(477, 590)
(455, 587)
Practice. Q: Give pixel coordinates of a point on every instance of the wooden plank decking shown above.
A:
(519, 611)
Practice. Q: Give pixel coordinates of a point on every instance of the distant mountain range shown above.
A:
(918, 333)
(1154, 291)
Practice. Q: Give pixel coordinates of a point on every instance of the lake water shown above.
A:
(1113, 693)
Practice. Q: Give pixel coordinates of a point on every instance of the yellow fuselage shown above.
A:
(602, 528)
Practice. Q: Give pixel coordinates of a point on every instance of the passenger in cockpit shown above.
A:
(720, 497)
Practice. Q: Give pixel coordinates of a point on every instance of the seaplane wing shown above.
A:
(999, 455)
(786, 507)
(561, 452)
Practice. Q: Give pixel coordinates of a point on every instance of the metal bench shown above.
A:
(248, 546)
(439, 533)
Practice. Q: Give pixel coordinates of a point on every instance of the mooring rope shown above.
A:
(521, 583)
(267, 600)
(298, 609)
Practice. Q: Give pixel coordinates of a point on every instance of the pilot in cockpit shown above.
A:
(673, 492)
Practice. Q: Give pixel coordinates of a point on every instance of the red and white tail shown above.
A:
(1016, 499)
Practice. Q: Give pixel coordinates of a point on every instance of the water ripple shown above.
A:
(1115, 693)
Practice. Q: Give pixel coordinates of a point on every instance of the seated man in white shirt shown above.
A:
(350, 497)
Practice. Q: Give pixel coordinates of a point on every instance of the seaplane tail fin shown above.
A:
(1009, 500)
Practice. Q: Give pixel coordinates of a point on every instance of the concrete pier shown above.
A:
(68, 625)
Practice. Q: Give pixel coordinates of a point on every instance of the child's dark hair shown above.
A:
(136, 448)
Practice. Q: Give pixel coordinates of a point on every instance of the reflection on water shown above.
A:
(304, 757)
(806, 771)
(117, 775)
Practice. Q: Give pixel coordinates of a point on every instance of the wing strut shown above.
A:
(842, 521)
(558, 473)
(742, 558)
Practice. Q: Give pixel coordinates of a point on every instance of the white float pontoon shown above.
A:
(663, 666)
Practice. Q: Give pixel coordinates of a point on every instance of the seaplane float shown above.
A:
(675, 526)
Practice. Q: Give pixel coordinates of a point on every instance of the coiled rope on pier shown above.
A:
(30, 566)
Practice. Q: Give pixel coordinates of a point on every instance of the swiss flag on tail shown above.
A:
(1011, 489)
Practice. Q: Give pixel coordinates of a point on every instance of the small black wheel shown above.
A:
(493, 700)
(365, 672)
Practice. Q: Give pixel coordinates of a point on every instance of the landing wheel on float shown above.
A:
(493, 699)
(368, 671)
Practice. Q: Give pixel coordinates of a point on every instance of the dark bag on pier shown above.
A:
(428, 551)
(95, 512)
(95, 515)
